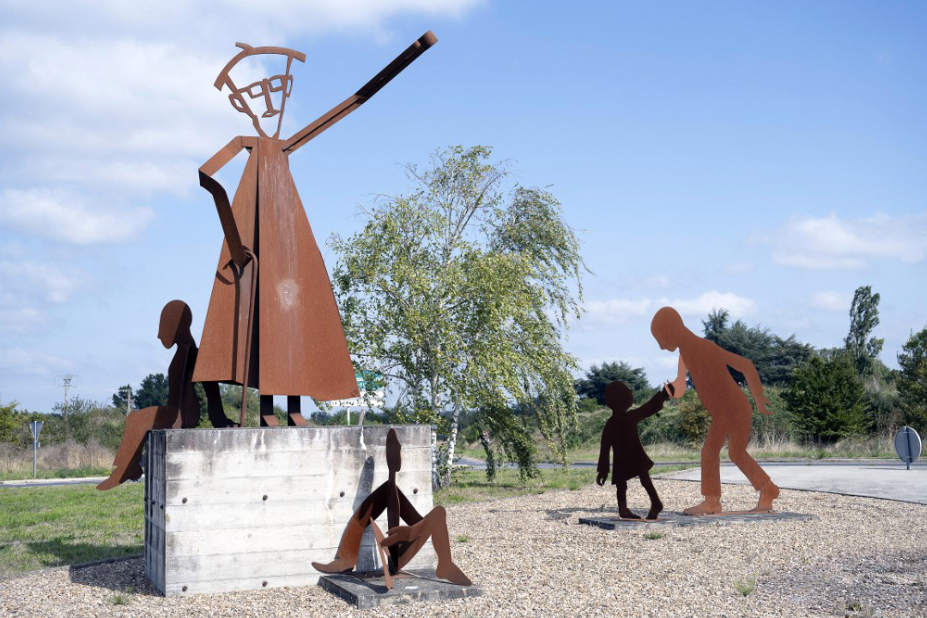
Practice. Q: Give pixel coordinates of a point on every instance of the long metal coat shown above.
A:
(298, 345)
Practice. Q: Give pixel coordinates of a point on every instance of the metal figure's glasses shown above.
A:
(264, 88)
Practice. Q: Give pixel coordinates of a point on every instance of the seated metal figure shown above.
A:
(620, 434)
(182, 409)
(402, 542)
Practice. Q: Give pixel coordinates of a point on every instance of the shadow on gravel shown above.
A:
(120, 575)
(561, 514)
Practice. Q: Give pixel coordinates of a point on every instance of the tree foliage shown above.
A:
(864, 317)
(459, 293)
(592, 385)
(153, 391)
(826, 399)
(773, 356)
(912, 380)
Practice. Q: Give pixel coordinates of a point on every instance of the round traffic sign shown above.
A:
(907, 445)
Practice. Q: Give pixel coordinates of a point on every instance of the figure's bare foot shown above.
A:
(338, 565)
(452, 573)
(627, 514)
(656, 507)
(768, 493)
(709, 506)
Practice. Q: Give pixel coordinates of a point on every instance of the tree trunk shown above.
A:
(435, 477)
(360, 417)
(451, 444)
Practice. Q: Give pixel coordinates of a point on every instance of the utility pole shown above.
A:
(66, 381)
(128, 391)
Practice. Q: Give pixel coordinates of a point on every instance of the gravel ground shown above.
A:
(861, 557)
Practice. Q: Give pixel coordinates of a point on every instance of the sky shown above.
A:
(765, 158)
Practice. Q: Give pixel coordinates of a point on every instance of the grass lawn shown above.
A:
(55, 473)
(42, 527)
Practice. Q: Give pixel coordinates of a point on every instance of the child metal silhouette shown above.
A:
(182, 409)
(621, 436)
(276, 328)
(402, 542)
(730, 410)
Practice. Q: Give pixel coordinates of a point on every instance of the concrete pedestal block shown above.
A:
(239, 509)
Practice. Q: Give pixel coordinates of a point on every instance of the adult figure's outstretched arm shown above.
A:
(679, 384)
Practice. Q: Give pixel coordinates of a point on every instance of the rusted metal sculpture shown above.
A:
(621, 436)
(182, 409)
(276, 328)
(401, 542)
(730, 410)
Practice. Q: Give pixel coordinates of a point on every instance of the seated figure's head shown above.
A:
(667, 328)
(176, 319)
(393, 451)
(264, 99)
(618, 396)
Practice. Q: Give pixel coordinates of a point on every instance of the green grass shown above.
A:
(463, 538)
(123, 597)
(472, 486)
(746, 586)
(653, 536)
(57, 473)
(42, 527)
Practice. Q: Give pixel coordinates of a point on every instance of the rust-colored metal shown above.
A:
(402, 542)
(620, 435)
(182, 409)
(731, 413)
(277, 329)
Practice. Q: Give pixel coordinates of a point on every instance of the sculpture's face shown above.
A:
(264, 102)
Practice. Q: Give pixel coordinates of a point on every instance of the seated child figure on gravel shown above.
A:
(621, 436)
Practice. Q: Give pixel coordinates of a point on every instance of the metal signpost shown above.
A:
(908, 445)
(35, 427)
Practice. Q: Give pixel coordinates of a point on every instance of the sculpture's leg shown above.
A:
(621, 494)
(656, 506)
(434, 526)
(138, 424)
(267, 412)
(711, 471)
(346, 556)
(295, 417)
(737, 447)
(214, 406)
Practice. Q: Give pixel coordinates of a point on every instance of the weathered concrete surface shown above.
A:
(237, 509)
(370, 592)
(867, 479)
(673, 519)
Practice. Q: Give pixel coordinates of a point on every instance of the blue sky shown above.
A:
(767, 158)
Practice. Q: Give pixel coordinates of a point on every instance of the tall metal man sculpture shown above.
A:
(272, 321)
(730, 410)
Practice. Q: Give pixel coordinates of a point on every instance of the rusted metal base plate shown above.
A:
(674, 519)
(366, 590)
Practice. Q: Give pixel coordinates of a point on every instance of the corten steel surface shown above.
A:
(402, 542)
(621, 436)
(182, 409)
(730, 410)
(276, 327)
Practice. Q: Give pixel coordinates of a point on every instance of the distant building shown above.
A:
(372, 385)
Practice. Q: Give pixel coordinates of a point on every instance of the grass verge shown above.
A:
(57, 473)
(42, 527)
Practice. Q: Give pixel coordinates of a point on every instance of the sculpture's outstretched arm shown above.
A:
(746, 367)
(221, 198)
(394, 68)
(679, 384)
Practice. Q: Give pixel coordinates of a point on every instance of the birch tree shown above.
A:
(459, 293)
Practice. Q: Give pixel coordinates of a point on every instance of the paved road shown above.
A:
(95, 480)
(872, 479)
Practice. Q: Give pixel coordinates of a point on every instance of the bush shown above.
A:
(694, 419)
(826, 399)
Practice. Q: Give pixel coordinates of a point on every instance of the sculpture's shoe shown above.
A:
(452, 573)
(626, 514)
(710, 506)
(114, 480)
(346, 556)
(768, 493)
(338, 565)
(655, 509)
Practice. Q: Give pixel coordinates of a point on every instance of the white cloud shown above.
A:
(832, 243)
(618, 310)
(705, 303)
(830, 301)
(66, 216)
(16, 361)
(45, 281)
